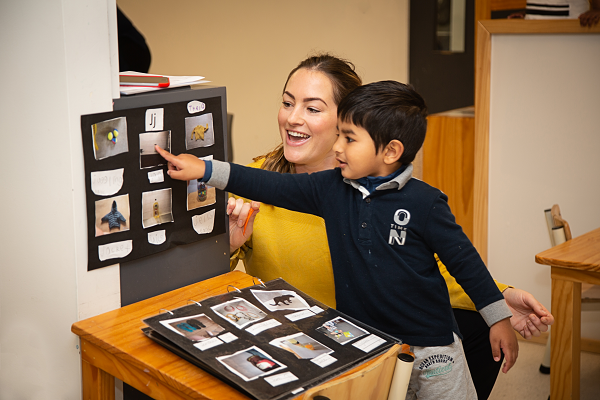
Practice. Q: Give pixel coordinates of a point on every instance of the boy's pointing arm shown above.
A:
(184, 167)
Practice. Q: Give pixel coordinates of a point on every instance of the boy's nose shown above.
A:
(337, 148)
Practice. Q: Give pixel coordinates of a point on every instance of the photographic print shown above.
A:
(149, 157)
(239, 312)
(112, 215)
(196, 327)
(301, 345)
(341, 330)
(199, 194)
(109, 138)
(251, 363)
(157, 207)
(276, 300)
(199, 131)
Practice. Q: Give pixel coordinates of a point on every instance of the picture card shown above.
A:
(109, 138)
(195, 327)
(301, 345)
(199, 194)
(149, 157)
(112, 215)
(157, 207)
(199, 131)
(239, 312)
(341, 330)
(276, 300)
(251, 363)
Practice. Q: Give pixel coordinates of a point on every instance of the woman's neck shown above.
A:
(328, 162)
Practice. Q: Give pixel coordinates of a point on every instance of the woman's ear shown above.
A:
(393, 151)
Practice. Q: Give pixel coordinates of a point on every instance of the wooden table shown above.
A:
(574, 262)
(113, 345)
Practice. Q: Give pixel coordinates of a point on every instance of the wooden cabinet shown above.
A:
(448, 161)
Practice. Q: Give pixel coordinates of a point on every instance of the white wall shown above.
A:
(544, 144)
(251, 46)
(55, 66)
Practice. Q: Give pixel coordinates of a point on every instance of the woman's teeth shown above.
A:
(298, 135)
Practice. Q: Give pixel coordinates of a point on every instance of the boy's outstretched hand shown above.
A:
(502, 337)
(183, 167)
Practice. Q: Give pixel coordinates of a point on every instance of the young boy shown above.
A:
(384, 228)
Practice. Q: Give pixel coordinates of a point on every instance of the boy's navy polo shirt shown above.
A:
(382, 247)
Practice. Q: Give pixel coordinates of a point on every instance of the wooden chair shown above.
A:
(560, 231)
(372, 382)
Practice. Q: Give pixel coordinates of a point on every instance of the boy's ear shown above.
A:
(393, 151)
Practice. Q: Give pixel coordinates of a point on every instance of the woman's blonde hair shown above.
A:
(343, 78)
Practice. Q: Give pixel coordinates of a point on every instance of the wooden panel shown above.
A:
(97, 384)
(497, 5)
(372, 381)
(566, 333)
(581, 253)
(485, 30)
(127, 351)
(448, 161)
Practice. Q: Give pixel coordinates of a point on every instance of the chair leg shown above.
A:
(545, 365)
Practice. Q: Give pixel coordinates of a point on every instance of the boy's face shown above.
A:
(355, 152)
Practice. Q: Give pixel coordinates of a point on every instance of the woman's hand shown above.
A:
(184, 167)
(530, 317)
(238, 211)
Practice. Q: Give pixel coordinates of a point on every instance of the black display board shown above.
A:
(269, 341)
(119, 223)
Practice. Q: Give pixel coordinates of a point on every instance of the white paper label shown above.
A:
(208, 344)
(107, 183)
(115, 250)
(195, 106)
(156, 176)
(263, 326)
(280, 379)
(204, 223)
(299, 315)
(228, 337)
(316, 309)
(323, 360)
(369, 343)
(154, 119)
(158, 237)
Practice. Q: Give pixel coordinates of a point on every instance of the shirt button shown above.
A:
(368, 200)
(364, 225)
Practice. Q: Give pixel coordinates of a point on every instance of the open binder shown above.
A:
(269, 341)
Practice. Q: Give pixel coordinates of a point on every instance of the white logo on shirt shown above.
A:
(398, 232)
(401, 217)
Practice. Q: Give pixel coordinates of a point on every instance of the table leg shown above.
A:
(566, 338)
(97, 384)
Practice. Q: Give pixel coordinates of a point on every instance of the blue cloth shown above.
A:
(114, 217)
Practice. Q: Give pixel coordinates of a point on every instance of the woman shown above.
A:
(282, 243)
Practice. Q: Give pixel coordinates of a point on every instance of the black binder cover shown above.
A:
(309, 374)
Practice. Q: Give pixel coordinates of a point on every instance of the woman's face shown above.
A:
(307, 121)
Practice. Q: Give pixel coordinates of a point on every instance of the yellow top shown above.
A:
(293, 246)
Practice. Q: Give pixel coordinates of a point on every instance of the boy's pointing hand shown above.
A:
(183, 167)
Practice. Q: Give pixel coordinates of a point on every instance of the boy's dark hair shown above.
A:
(388, 110)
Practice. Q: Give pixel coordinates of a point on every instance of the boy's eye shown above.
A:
(349, 139)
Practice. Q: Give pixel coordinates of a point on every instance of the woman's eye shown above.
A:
(287, 104)
(313, 110)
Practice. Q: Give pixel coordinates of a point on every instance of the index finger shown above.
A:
(165, 154)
